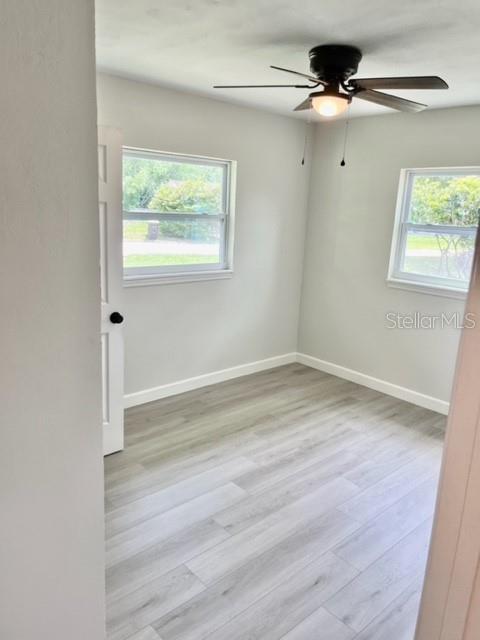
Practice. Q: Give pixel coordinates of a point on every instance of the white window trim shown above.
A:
(412, 282)
(176, 278)
(143, 276)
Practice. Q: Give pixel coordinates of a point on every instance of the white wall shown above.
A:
(51, 533)
(176, 331)
(351, 211)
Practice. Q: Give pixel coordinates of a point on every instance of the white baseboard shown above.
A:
(420, 399)
(174, 388)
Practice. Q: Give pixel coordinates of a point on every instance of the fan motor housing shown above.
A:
(334, 62)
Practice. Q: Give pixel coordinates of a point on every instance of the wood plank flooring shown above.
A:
(285, 505)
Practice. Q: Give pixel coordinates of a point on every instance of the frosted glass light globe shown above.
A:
(329, 106)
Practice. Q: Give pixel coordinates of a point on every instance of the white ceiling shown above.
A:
(192, 44)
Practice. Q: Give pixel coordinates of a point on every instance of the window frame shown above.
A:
(169, 274)
(411, 281)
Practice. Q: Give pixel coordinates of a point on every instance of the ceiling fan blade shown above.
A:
(386, 100)
(297, 73)
(303, 106)
(414, 82)
(261, 86)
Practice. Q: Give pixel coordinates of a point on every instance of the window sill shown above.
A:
(429, 289)
(176, 278)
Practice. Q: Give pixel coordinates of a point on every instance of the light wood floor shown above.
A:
(287, 504)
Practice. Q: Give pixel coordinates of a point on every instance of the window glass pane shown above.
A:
(153, 243)
(444, 199)
(175, 211)
(163, 185)
(439, 255)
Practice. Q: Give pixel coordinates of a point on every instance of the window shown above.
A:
(177, 217)
(435, 229)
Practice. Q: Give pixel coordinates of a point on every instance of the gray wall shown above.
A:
(351, 212)
(176, 331)
(51, 535)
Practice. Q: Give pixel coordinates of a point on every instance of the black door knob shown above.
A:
(116, 318)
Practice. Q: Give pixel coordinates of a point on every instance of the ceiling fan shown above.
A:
(332, 66)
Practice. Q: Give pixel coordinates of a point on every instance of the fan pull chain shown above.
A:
(307, 128)
(342, 163)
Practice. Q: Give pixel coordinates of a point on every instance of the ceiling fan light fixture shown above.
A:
(330, 105)
(332, 67)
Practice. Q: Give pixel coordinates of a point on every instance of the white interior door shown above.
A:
(111, 273)
(451, 594)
